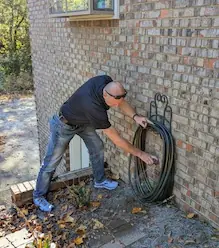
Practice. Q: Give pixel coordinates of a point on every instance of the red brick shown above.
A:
(214, 217)
(164, 13)
(197, 206)
(209, 63)
(186, 60)
(216, 193)
(179, 143)
(189, 147)
(135, 54)
(179, 50)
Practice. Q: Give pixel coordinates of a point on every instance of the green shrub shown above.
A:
(13, 84)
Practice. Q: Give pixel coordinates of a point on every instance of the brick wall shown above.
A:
(163, 46)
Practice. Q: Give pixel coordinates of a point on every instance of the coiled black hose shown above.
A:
(138, 178)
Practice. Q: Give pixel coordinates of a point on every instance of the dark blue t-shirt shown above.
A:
(87, 106)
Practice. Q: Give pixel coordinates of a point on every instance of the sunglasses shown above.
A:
(119, 96)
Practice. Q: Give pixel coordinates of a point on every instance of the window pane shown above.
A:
(103, 4)
(56, 6)
(73, 5)
(63, 6)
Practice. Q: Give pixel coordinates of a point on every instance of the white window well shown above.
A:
(85, 9)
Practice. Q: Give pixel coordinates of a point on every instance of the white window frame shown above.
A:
(90, 14)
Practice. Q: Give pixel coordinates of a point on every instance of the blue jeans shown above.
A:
(60, 136)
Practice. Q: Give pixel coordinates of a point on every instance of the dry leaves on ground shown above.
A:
(78, 241)
(95, 204)
(97, 224)
(138, 210)
(191, 215)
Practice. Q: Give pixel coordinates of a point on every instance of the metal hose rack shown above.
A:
(138, 177)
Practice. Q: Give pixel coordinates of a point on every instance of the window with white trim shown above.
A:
(85, 9)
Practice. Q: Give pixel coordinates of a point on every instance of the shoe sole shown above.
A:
(47, 211)
(104, 187)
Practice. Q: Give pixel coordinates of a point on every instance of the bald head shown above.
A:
(114, 94)
(115, 88)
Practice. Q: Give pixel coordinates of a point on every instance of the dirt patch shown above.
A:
(19, 149)
(2, 143)
(161, 226)
(15, 96)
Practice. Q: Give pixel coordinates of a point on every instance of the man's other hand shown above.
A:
(141, 120)
(147, 158)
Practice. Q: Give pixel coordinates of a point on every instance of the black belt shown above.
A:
(64, 120)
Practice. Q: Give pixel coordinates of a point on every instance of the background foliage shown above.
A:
(15, 55)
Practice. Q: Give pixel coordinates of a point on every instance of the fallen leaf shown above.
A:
(49, 226)
(57, 195)
(69, 219)
(33, 217)
(38, 228)
(64, 208)
(72, 245)
(82, 183)
(143, 211)
(191, 215)
(23, 211)
(98, 224)
(170, 240)
(99, 196)
(81, 230)
(190, 241)
(2, 207)
(52, 245)
(60, 222)
(62, 225)
(115, 177)
(41, 235)
(78, 241)
(95, 204)
(64, 236)
(136, 210)
(215, 237)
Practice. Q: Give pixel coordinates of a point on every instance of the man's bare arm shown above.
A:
(130, 111)
(113, 134)
(127, 108)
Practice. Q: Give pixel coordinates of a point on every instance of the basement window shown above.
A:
(85, 9)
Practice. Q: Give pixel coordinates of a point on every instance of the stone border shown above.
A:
(21, 193)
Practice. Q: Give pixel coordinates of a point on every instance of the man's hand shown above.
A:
(141, 120)
(148, 159)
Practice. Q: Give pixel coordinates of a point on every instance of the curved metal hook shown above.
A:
(165, 120)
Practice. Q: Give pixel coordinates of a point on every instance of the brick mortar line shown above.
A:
(193, 207)
(178, 28)
(193, 185)
(196, 180)
(198, 204)
(205, 217)
(169, 7)
(184, 73)
(164, 18)
(194, 192)
(172, 63)
(201, 149)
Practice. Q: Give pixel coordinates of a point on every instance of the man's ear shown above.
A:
(105, 94)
